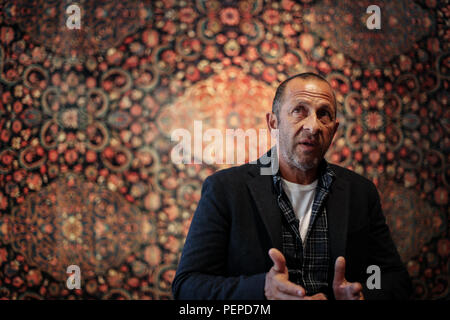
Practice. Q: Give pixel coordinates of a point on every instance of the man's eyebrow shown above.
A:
(325, 105)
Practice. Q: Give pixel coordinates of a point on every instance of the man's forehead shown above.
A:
(309, 88)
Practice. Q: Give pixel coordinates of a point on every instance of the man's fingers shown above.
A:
(344, 290)
(291, 288)
(277, 284)
(350, 291)
(339, 271)
(284, 296)
(318, 296)
(279, 262)
(356, 289)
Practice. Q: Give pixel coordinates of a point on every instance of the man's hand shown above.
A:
(278, 286)
(344, 290)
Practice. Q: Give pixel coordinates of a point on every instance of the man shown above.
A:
(309, 231)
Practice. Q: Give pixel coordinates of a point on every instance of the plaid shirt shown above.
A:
(307, 262)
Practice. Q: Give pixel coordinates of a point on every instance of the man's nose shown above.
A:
(311, 123)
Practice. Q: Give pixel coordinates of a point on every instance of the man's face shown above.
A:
(306, 123)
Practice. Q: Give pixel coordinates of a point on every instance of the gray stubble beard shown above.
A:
(293, 160)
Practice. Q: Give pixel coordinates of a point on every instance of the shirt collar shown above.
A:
(326, 177)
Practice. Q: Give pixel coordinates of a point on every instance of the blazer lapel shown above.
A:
(337, 214)
(260, 187)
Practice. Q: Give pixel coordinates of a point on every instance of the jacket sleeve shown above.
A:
(395, 281)
(202, 271)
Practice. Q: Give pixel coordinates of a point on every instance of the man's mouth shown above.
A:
(309, 143)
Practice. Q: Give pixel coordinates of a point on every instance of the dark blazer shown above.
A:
(238, 220)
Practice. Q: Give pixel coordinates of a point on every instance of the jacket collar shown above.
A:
(326, 177)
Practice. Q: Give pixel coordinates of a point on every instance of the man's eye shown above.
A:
(299, 109)
(324, 113)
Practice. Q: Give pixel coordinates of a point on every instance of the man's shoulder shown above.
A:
(238, 175)
(230, 182)
(351, 176)
(235, 173)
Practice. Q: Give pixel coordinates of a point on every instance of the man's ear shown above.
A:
(336, 126)
(272, 121)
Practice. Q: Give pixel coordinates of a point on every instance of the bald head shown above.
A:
(279, 95)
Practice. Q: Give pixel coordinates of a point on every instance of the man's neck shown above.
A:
(295, 175)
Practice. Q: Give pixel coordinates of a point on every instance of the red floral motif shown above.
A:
(229, 16)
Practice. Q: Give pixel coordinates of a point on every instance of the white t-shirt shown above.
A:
(301, 197)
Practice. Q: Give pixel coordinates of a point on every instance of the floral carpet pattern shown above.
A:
(342, 25)
(86, 116)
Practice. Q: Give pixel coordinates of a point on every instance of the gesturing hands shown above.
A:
(278, 286)
(344, 290)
